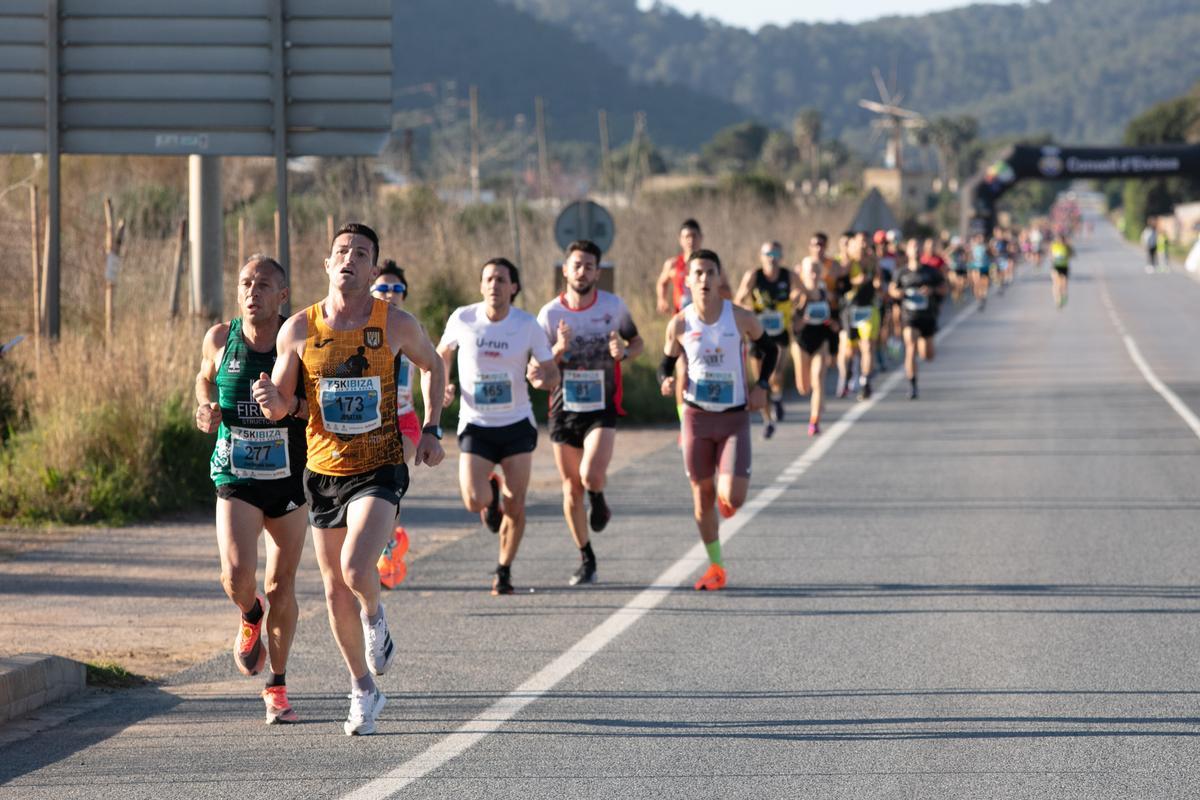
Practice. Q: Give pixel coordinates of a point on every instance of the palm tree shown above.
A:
(806, 133)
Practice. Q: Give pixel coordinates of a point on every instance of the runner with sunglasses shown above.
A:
(392, 287)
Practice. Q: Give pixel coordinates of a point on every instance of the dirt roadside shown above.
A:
(148, 597)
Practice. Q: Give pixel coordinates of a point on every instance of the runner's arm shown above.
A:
(407, 332)
(663, 287)
(276, 395)
(671, 353)
(742, 296)
(208, 413)
(446, 352)
(542, 370)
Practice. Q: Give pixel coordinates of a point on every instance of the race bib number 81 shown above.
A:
(583, 390)
(350, 405)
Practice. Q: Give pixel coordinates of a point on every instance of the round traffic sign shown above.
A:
(585, 219)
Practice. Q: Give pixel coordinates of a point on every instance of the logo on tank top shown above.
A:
(353, 367)
(249, 411)
(233, 367)
(713, 358)
(322, 343)
(373, 337)
(490, 348)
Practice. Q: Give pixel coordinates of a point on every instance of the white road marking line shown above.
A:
(1135, 354)
(619, 621)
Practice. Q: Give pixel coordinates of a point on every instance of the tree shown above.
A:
(779, 154)
(734, 149)
(806, 133)
(951, 137)
(1171, 122)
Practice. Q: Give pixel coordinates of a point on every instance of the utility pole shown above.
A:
(474, 144)
(605, 155)
(635, 154)
(543, 161)
(204, 234)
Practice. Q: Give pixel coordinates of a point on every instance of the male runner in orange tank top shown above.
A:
(344, 348)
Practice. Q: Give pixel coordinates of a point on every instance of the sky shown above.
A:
(753, 14)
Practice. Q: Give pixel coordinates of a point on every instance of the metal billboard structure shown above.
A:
(277, 78)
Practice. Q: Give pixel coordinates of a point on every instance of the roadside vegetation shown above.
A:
(96, 432)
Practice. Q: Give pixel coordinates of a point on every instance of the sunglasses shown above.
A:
(384, 288)
(772, 253)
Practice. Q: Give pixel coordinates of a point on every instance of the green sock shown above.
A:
(679, 411)
(714, 552)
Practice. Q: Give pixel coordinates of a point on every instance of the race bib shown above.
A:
(713, 391)
(583, 390)
(772, 322)
(404, 393)
(816, 312)
(860, 315)
(350, 405)
(916, 302)
(494, 391)
(260, 453)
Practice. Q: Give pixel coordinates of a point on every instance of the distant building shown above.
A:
(907, 192)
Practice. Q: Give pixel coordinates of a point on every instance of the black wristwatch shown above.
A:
(435, 430)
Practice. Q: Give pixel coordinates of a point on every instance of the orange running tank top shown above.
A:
(350, 379)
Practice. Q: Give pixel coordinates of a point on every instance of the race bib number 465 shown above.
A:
(494, 391)
(350, 405)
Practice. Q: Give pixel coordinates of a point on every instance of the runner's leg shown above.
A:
(238, 526)
(285, 545)
(517, 469)
(568, 460)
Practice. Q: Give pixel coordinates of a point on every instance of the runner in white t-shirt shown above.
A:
(498, 348)
(592, 333)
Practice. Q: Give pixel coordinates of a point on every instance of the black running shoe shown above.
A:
(492, 515)
(601, 514)
(778, 410)
(865, 392)
(502, 583)
(585, 574)
(912, 393)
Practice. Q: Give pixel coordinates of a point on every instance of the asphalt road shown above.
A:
(988, 593)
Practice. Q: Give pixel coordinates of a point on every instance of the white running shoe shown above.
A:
(380, 648)
(364, 707)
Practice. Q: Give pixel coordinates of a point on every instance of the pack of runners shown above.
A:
(316, 424)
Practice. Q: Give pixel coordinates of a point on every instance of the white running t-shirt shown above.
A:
(492, 357)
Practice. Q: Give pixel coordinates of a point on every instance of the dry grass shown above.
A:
(102, 432)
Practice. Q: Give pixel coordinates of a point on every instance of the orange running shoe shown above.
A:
(725, 508)
(401, 542)
(249, 653)
(279, 710)
(713, 580)
(392, 571)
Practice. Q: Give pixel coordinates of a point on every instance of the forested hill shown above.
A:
(513, 57)
(1078, 69)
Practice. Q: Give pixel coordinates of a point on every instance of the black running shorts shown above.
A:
(572, 427)
(811, 337)
(275, 498)
(497, 444)
(924, 326)
(330, 495)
